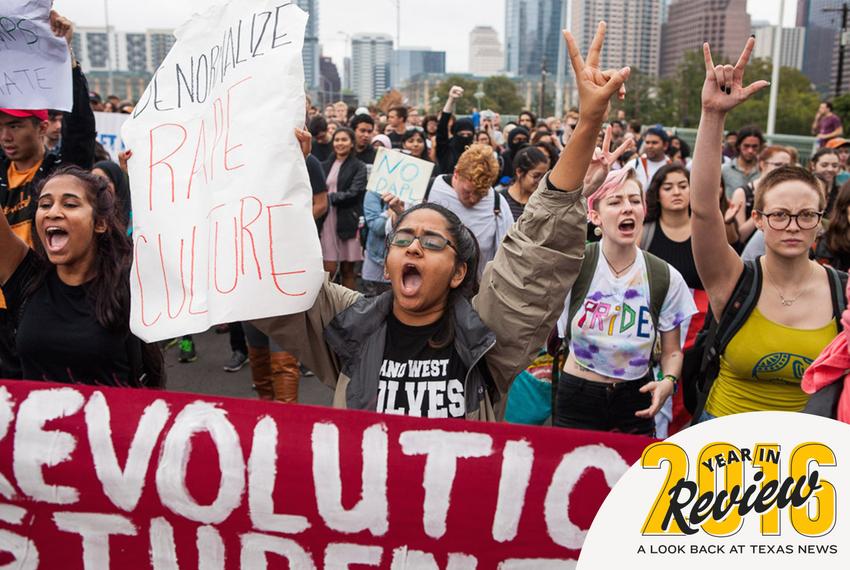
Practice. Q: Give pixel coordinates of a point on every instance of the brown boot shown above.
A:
(261, 372)
(285, 377)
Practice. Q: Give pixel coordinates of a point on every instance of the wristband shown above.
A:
(672, 379)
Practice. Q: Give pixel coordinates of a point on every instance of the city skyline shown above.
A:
(419, 21)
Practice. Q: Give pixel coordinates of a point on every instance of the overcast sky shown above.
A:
(436, 24)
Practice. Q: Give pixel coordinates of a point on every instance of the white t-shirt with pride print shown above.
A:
(612, 332)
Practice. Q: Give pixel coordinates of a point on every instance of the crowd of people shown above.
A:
(585, 269)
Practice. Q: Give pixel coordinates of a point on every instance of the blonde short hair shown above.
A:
(479, 166)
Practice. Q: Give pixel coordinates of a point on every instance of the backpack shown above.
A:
(715, 336)
(658, 273)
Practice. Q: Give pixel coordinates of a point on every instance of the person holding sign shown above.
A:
(432, 346)
(70, 296)
(25, 161)
(346, 180)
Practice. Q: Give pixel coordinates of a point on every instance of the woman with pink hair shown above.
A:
(623, 303)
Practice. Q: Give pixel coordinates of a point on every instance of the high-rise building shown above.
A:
(532, 35)
(409, 62)
(137, 52)
(312, 51)
(790, 50)
(822, 20)
(633, 33)
(485, 51)
(330, 87)
(724, 24)
(371, 62)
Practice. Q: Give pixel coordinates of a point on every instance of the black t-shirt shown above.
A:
(317, 175)
(322, 150)
(516, 208)
(417, 379)
(59, 338)
(367, 155)
(395, 139)
(676, 253)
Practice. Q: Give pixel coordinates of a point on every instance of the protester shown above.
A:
(322, 147)
(363, 127)
(431, 264)
(744, 168)
(755, 370)
(842, 147)
(119, 185)
(607, 381)
(25, 162)
(653, 157)
(413, 143)
(730, 146)
(530, 166)
(679, 151)
(397, 122)
(53, 133)
(833, 247)
(449, 149)
(70, 296)
(378, 210)
(528, 120)
(517, 138)
(551, 152)
(346, 180)
(341, 112)
(825, 164)
(469, 194)
(827, 125)
(771, 158)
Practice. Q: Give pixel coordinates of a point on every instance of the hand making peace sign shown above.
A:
(724, 89)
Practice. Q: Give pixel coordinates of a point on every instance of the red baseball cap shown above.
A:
(40, 114)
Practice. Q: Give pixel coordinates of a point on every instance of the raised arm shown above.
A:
(718, 265)
(523, 289)
(12, 250)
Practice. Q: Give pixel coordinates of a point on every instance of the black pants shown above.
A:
(584, 404)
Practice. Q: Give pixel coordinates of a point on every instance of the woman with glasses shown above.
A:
(530, 166)
(435, 345)
(792, 320)
(743, 199)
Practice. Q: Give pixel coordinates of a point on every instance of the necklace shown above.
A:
(616, 272)
(789, 302)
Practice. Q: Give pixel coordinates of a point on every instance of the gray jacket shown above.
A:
(342, 337)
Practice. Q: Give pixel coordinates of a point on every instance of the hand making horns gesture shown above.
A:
(595, 87)
(724, 89)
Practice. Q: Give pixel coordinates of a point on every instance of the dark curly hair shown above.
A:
(109, 291)
(653, 200)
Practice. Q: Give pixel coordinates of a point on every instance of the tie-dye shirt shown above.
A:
(612, 332)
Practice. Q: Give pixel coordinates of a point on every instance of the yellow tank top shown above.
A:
(762, 366)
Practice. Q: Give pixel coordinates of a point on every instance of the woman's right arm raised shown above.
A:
(12, 250)
(718, 265)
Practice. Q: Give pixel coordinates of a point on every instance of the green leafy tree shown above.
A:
(465, 103)
(841, 107)
(501, 95)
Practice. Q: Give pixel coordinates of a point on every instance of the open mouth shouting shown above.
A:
(411, 280)
(626, 226)
(55, 238)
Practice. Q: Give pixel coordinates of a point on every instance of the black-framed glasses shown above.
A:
(427, 241)
(806, 220)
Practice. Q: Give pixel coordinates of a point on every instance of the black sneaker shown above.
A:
(187, 351)
(237, 360)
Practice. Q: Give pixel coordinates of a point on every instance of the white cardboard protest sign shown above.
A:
(108, 126)
(222, 222)
(400, 174)
(35, 66)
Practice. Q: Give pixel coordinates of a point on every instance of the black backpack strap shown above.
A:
(837, 286)
(658, 275)
(497, 204)
(738, 309)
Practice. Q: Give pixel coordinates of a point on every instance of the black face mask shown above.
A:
(460, 143)
(515, 145)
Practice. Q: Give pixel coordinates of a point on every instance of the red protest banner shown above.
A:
(105, 477)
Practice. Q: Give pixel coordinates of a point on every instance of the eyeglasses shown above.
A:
(427, 241)
(806, 220)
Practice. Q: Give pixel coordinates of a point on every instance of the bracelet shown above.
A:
(672, 379)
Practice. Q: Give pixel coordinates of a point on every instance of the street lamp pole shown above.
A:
(774, 78)
(109, 79)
